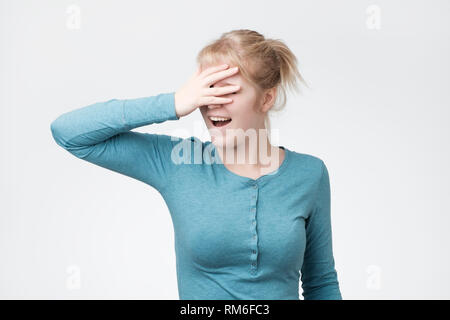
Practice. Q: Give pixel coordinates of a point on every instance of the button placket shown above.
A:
(254, 250)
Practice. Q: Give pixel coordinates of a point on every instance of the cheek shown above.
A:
(246, 120)
(244, 114)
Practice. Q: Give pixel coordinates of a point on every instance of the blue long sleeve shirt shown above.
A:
(235, 237)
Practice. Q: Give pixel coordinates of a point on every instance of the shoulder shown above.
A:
(171, 142)
(189, 150)
(311, 165)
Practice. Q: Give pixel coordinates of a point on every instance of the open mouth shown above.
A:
(220, 122)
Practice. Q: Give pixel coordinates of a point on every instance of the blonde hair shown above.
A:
(264, 63)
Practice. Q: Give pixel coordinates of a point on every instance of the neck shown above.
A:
(254, 155)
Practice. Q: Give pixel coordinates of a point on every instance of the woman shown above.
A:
(244, 229)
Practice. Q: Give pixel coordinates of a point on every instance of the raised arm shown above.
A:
(318, 274)
(100, 134)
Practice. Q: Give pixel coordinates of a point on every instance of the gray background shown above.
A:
(377, 113)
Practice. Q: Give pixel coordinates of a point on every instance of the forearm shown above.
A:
(102, 120)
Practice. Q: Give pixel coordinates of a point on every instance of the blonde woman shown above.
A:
(250, 219)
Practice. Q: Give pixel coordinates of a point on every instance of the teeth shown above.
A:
(219, 119)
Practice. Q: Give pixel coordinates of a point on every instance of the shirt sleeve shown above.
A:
(100, 133)
(318, 274)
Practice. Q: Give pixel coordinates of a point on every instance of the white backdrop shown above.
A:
(377, 113)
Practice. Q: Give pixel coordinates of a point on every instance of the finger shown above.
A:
(214, 100)
(217, 76)
(214, 69)
(218, 91)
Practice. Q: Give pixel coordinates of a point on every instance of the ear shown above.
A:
(268, 99)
